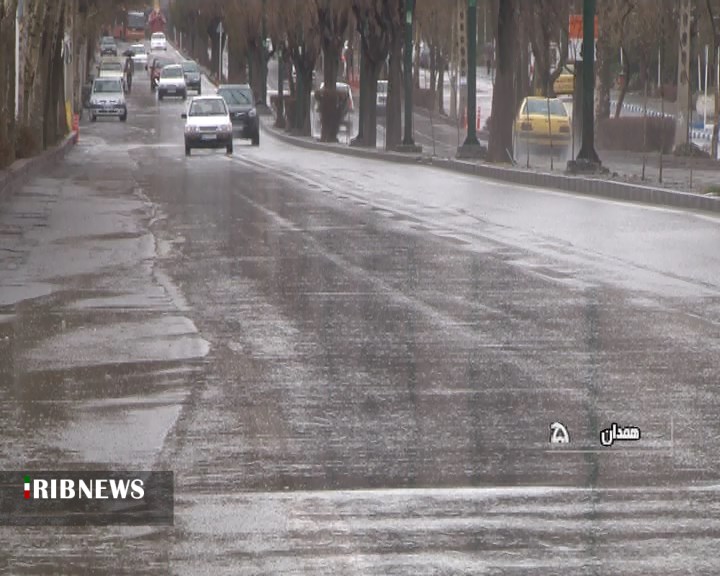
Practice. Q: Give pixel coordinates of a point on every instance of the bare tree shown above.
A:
(333, 18)
(374, 43)
(503, 105)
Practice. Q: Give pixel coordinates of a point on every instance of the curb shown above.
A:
(19, 172)
(575, 184)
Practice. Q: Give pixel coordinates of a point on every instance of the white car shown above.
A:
(158, 41)
(207, 124)
(172, 82)
(139, 54)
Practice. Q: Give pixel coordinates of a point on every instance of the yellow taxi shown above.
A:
(565, 83)
(543, 123)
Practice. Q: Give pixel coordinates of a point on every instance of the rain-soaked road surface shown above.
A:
(352, 366)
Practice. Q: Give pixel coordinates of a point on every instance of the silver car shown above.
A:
(107, 98)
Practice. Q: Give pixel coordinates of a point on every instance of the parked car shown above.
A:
(158, 63)
(541, 123)
(172, 82)
(381, 99)
(158, 41)
(241, 105)
(107, 98)
(108, 47)
(346, 118)
(207, 124)
(193, 78)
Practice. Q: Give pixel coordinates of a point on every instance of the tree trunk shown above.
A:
(370, 121)
(329, 113)
(624, 87)
(393, 113)
(363, 111)
(7, 84)
(503, 105)
(256, 64)
(441, 86)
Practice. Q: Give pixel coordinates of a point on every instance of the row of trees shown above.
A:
(56, 42)
(636, 37)
(304, 33)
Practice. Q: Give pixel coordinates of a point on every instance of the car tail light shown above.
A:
(526, 126)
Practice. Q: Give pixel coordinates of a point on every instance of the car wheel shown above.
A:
(229, 148)
(93, 118)
(256, 139)
(123, 118)
(199, 90)
(187, 150)
(160, 95)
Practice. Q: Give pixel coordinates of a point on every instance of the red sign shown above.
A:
(575, 28)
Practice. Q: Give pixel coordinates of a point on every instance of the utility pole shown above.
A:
(408, 144)
(587, 159)
(471, 147)
(682, 118)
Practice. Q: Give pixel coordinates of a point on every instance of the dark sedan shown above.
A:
(192, 76)
(243, 115)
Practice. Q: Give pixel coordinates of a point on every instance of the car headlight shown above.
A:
(252, 113)
(190, 129)
(225, 127)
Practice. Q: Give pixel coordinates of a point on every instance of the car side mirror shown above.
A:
(183, 116)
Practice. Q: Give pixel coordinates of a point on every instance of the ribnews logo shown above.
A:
(86, 498)
(68, 488)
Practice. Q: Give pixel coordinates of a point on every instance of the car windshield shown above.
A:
(172, 72)
(138, 49)
(189, 67)
(158, 36)
(161, 63)
(108, 40)
(215, 107)
(236, 95)
(541, 107)
(111, 67)
(105, 86)
(382, 87)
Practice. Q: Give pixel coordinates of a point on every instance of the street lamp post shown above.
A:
(587, 159)
(408, 144)
(471, 148)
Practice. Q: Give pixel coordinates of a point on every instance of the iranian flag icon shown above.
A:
(27, 487)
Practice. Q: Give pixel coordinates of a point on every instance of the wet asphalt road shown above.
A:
(352, 366)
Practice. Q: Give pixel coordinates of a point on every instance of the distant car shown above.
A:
(158, 41)
(107, 98)
(158, 63)
(382, 94)
(348, 106)
(172, 82)
(193, 78)
(541, 123)
(565, 83)
(108, 47)
(112, 68)
(207, 124)
(139, 54)
(241, 105)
